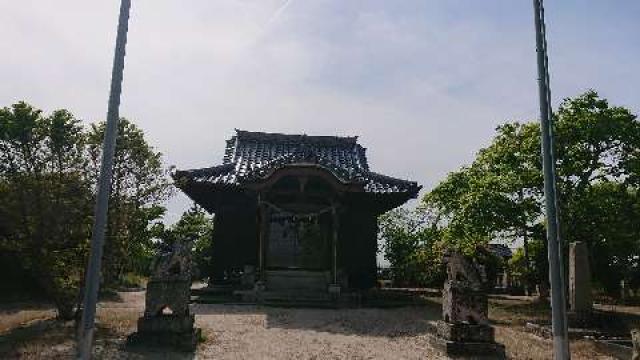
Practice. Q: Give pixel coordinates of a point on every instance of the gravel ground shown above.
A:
(27, 331)
(233, 332)
(249, 332)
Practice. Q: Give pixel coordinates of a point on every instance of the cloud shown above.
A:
(423, 83)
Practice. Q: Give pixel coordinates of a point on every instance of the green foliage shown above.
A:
(606, 217)
(132, 280)
(411, 245)
(197, 226)
(500, 193)
(48, 175)
(535, 272)
(139, 188)
(45, 199)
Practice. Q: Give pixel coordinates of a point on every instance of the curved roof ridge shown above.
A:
(296, 138)
(250, 156)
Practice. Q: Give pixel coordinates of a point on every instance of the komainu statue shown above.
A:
(167, 320)
(169, 287)
(464, 295)
(465, 328)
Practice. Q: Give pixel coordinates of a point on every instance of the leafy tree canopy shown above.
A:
(500, 194)
(48, 175)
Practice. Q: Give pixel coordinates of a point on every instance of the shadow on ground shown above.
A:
(510, 311)
(12, 307)
(140, 352)
(390, 322)
(19, 336)
(513, 311)
(51, 338)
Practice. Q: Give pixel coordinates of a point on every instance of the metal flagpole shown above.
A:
(92, 276)
(558, 304)
(563, 278)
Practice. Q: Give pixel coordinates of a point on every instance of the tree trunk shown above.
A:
(527, 264)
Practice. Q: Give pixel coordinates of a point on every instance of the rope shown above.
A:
(294, 215)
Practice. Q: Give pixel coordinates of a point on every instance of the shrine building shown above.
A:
(298, 212)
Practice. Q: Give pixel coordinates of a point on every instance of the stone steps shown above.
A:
(297, 281)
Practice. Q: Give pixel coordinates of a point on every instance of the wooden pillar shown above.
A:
(262, 215)
(334, 255)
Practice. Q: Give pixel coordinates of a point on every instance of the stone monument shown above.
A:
(167, 320)
(465, 328)
(580, 299)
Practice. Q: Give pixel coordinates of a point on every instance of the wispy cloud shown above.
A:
(422, 83)
(278, 13)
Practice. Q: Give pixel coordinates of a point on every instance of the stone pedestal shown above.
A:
(467, 340)
(465, 332)
(465, 329)
(461, 303)
(167, 320)
(167, 294)
(174, 331)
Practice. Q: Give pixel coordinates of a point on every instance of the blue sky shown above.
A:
(424, 83)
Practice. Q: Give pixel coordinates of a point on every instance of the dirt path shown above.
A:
(254, 332)
(249, 332)
(232, 332)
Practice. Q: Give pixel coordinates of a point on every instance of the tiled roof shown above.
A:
(500, 250)
(250, 156)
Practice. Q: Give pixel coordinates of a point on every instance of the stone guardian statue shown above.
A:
(465, 329)
(167, 320)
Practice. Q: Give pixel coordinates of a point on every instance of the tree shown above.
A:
(197, 226)
(599, 152)
(139, 188)
(412, 247)
(45, 199)
(48, 174)
(500, 194)
(532, 268)
(606, 217)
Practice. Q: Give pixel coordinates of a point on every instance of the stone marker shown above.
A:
(465, 328)
(167, 320)
(635, 340)
(579, 279)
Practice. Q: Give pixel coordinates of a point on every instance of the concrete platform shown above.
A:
(478, 350)
(175, 332)
(464, 340)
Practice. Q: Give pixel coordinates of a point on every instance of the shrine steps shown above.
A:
(290, 298)
(296, 299)
(297, 282)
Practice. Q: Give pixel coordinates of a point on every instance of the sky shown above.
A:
(423, 83)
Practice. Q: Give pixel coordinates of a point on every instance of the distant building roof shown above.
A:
(250, 156)
(500, 250)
